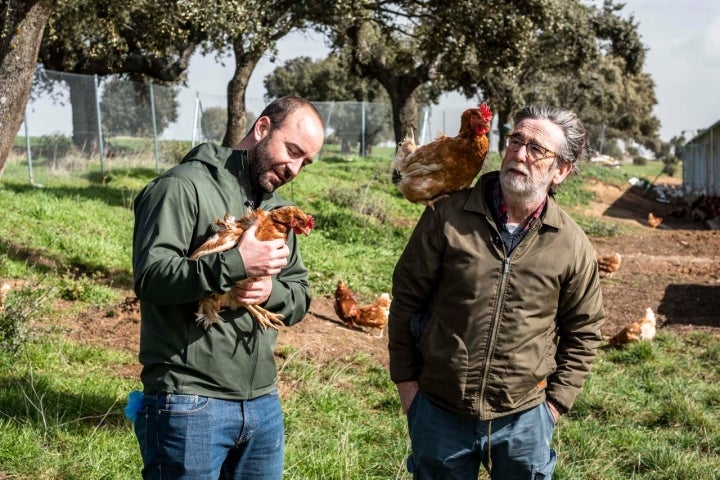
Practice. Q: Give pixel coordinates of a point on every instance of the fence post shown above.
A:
(329, 115)
(101, 145)
(154, 125)
(198, 110)
(424, 128)
(29, 150)
(362, 133)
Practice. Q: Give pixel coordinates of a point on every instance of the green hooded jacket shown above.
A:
(234, 359)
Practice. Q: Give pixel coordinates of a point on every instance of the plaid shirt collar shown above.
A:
(501, 209)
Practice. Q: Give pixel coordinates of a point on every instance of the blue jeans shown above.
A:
(446, 446)
(194, 437)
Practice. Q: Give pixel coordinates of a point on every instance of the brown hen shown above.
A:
(430, 172)
(643, 329)
(271, 225)
(654, 221)
(376, 314)
(346, 306)
(609, 264)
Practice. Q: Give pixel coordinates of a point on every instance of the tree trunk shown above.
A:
(22, 26)
(405, 115)
(245, 63)
(84, 112)
(503, 129)
(401, 89)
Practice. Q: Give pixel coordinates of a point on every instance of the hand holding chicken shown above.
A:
(267, 234)
(262, 257)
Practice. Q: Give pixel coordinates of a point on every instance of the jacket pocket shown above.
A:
(418, 322)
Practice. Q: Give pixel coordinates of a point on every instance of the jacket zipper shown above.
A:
(495, 324)
(497, 314)
(249, 204)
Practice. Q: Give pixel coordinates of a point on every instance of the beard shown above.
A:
(526, 187)
(260, 165)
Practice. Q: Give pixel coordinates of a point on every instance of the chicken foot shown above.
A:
(209, 308)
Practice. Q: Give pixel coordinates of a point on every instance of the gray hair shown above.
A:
(572, 150)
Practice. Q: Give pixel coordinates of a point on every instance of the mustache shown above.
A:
(517, 167)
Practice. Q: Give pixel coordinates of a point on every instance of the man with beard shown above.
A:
(496, 313)
(210, 407)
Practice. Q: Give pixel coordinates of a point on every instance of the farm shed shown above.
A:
(701, 163)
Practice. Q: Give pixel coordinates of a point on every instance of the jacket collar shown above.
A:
(238, 163)
(476, 202)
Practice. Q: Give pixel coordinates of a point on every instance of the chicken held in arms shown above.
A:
(271, 225)
(430, 172)
(642, 329)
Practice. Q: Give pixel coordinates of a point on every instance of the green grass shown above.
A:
(61, 413)
(640, 415)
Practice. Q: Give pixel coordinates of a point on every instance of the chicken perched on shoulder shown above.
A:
(609, 264)
(642, 329)
(430, 172)
(271, 225)
(374, 315)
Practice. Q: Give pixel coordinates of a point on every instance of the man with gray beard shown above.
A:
(496, 312)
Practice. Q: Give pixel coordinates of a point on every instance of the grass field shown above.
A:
(68, 243)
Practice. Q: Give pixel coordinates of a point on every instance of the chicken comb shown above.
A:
(309, 225)
(486, 112)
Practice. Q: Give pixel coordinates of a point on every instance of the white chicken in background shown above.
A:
(639, 330)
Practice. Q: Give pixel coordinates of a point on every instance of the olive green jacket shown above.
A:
(502, 332)
(173, 216)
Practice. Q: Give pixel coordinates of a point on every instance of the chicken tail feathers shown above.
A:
(396, 177)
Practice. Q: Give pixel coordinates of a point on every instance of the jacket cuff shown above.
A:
(234, 265)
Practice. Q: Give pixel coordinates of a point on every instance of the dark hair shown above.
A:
(279, 109)
(572, 150)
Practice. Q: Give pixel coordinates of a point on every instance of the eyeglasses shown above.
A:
(534, 151)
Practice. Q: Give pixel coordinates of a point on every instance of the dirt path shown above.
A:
(674, 269)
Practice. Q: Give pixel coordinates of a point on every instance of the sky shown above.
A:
(683, 58)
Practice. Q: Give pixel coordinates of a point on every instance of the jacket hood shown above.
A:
(218, 157)
(221, 160)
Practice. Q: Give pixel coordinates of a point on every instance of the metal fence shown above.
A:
(82, 122)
